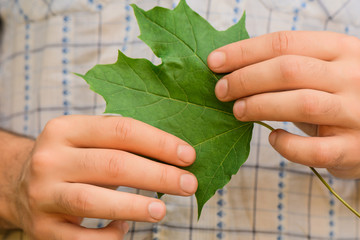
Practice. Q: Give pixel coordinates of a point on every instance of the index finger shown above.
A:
(122, 133)
(321, 45)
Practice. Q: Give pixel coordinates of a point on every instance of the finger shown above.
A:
(337, 153)
(278, 74)
(310, 106)
(116, 230)
(89, 201)
(122, 133)
(250, 51)
(119, 168)
(323, 152)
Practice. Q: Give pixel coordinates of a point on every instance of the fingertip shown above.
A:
(274, 136)
(216, 60)
(125, 227)
(239, 110)
(120, 225)
(221, 89)
(188, 183)
(285, 143)
(157, 210)
(186, 154)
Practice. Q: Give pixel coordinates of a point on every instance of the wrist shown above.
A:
(14, 152)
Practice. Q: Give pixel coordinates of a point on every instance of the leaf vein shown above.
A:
(220, 134)
(222, 161)
(165, 97)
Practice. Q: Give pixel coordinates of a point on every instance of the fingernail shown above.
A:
(239, 109)
(125, 227)
(156, 210)
(188, 183)
(221, 88)
(186, 153)
(272, 137)
(216, 59)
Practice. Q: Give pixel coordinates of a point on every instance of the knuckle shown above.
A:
(349, 44)
(309, 104)
(322, 155)
(123, 128)
(294, 68)
(87, 162)
(132, 206)
(330, 107)
(244, 52)
(314, 105)
(115, 166)
(259, 110)
(41, 161)
(240, 78)
(163, 178)
(77, 202)
(34, 196)
(162, 145)
(82, 203)
(113, 213)
(280, 42)
(56, 125)
(290, 68)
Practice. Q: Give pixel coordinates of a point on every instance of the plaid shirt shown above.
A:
(44, 41)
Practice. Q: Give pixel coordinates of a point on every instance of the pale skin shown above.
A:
(70, 171)
(310, 78)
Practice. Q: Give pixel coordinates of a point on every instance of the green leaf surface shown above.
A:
(177, 96)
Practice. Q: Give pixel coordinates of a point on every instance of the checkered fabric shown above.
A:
(44, 41)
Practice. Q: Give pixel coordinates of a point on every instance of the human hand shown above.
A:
(310, 78)
(76, 156)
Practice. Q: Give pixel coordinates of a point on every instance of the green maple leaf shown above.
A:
(178, 95)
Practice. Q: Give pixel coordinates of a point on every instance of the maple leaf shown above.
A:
(178, 96)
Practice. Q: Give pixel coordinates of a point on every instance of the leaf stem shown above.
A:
(333, 192)
(265, 125)
(320, 177)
